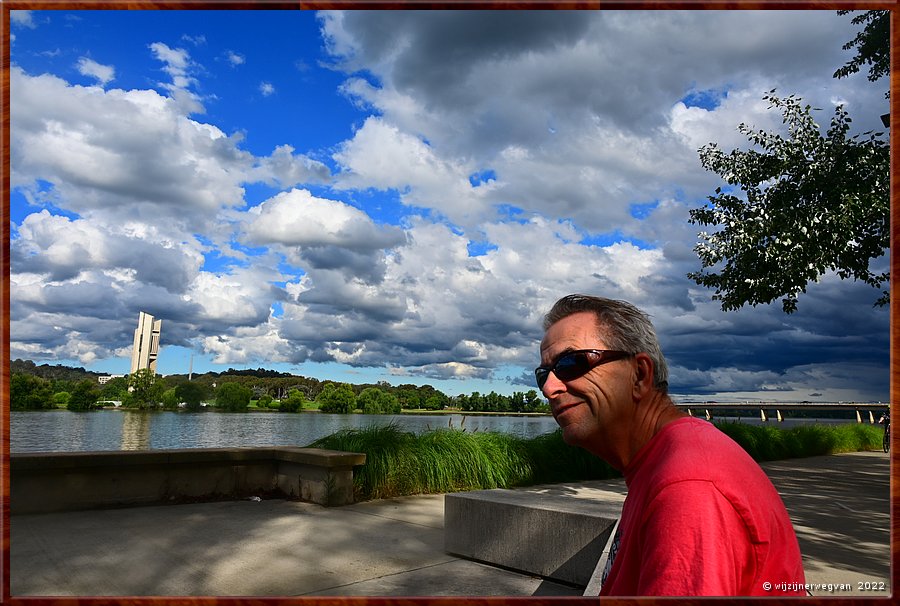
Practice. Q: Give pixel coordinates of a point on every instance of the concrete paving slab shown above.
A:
(839, 504)
(840, 508)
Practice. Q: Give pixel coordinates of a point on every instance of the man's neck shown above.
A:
(651, 416)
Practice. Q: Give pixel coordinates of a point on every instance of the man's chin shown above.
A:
(572, 435)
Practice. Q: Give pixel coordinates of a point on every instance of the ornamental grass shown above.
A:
(400, 462)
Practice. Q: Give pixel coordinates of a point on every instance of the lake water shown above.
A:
(65, 431)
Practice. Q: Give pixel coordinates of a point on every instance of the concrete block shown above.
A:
(556, 537)
(46, 482)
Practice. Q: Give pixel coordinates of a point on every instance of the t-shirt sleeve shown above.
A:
(693, 542)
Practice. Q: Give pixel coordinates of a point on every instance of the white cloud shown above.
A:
(102, 73)
(380, 155)
(234, 58)
(22, 19)
(297, 218)
(162, 165)
(178, 66)
(266, 89)
(285, 168)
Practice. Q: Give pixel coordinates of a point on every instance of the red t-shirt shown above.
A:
(701, 518)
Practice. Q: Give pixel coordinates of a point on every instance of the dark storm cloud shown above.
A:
(367, 266)
(636, 59)
(835, 324)
(151, 263)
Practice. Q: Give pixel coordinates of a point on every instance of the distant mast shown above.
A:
(191, 368)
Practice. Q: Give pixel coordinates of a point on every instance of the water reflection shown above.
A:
(135, 430)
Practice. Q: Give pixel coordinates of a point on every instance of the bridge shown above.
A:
(864, 411)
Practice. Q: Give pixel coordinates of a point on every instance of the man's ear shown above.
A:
(643, 377)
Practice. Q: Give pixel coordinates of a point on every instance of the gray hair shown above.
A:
(622, 325)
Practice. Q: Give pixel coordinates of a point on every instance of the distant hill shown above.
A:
(262, 373)
(57, 372)
(68, 373)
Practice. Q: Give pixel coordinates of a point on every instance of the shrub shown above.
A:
(84, 396)
(336, 398)
(192, 394)
(169, 400)
(293, 402)
(233, 397)
(28, 392)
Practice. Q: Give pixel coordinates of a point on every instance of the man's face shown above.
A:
(591, 408)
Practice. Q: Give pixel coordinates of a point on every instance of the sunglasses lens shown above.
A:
(567, 367)
(541, 374)
(571, 366)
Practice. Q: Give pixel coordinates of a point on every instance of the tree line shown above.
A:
(47, 387)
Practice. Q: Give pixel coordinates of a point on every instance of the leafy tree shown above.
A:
(192, 394)
(435, 401)
(873, 45)
(28, 392)
(293, 402)
(337, 398)
(809, 204)
(143, 387)
(61, 399)
(264, 401)
(169, 400)
(114, 389)
(533, 401)
(84, 396)
(374, 401)
(233, 397)
(409, 398)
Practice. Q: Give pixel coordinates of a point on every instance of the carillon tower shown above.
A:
(146, 343)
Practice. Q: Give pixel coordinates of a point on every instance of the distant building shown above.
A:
(146, 343)
(107, 378)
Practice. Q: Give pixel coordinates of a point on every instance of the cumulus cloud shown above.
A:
(286, 169)
(102, 73)
(383, 157)
(62, 249)
(577, 117)
(297, 218)
(127, 154)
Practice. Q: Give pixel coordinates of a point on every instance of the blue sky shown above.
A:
(401, 195)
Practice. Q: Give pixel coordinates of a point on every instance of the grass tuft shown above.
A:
(400, 462)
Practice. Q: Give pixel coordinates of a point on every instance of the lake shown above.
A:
(65, 431)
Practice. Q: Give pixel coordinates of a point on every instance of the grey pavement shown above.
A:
(839, 504)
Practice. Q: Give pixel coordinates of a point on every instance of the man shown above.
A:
(701, 517)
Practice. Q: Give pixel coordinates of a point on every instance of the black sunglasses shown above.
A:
(574, 364)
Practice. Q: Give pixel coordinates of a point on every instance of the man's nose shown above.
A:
(553, 386)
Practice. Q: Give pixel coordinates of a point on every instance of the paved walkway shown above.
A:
(840, 506)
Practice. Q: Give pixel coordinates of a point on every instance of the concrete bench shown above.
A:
(53, 481)
(555, 536)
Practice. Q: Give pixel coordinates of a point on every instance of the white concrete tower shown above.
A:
(146, 343)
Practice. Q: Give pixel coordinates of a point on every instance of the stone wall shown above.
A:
(44, 482)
